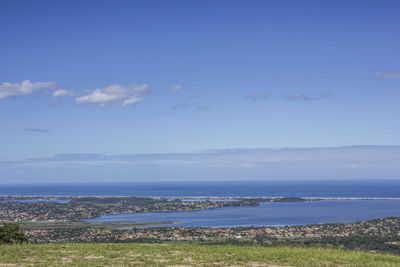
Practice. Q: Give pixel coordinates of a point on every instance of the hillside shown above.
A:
(92, 254)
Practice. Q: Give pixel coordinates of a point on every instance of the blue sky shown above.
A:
(155, 78)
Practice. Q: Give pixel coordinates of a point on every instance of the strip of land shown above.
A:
(56, 225)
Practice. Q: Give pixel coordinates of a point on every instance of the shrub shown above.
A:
(10, 233)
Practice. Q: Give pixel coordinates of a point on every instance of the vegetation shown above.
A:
(10, 233)
(92, 254)
(382, 234)
(55, 225)
(11, 209)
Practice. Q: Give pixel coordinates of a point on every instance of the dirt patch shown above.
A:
(161, 260)
(259, 264)
(93, 257)
(256, 264)
(136, 262)
(33, 258)
(66, 259)
(189, 259)
(63, 251)
(138, 255)
(133, 255)
(180, 252)
(176, 252)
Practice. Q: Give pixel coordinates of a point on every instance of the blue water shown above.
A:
(208, 199)
(270, 214)
(383, 188)
(61, 201)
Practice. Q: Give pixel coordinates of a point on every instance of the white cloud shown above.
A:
(176, 87)
(386, 75)
(62, 92)
(24, 88)
(115, 93)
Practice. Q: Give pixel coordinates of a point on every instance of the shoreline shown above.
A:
(196, 197)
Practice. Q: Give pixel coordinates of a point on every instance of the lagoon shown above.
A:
(269, 214)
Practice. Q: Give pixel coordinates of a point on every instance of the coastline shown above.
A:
(50, 197)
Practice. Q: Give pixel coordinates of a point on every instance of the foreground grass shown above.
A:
(92, 254)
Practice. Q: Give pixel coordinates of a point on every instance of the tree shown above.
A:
(10, 233)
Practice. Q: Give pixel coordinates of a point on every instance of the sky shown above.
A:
(199, 90)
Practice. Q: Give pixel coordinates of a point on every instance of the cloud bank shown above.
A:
(352, 162)
(116, 94)
(24, 88)
(238, 157)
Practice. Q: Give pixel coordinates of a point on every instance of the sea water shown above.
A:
(361, 189)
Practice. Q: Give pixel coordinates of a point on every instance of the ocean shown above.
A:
(361, 189)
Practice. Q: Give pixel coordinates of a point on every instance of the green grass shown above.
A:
(92, 254)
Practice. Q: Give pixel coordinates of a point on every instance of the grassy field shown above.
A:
(91, 254)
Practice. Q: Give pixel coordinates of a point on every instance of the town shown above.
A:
(379, 234)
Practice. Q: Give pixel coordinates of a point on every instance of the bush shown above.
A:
(10, 233)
